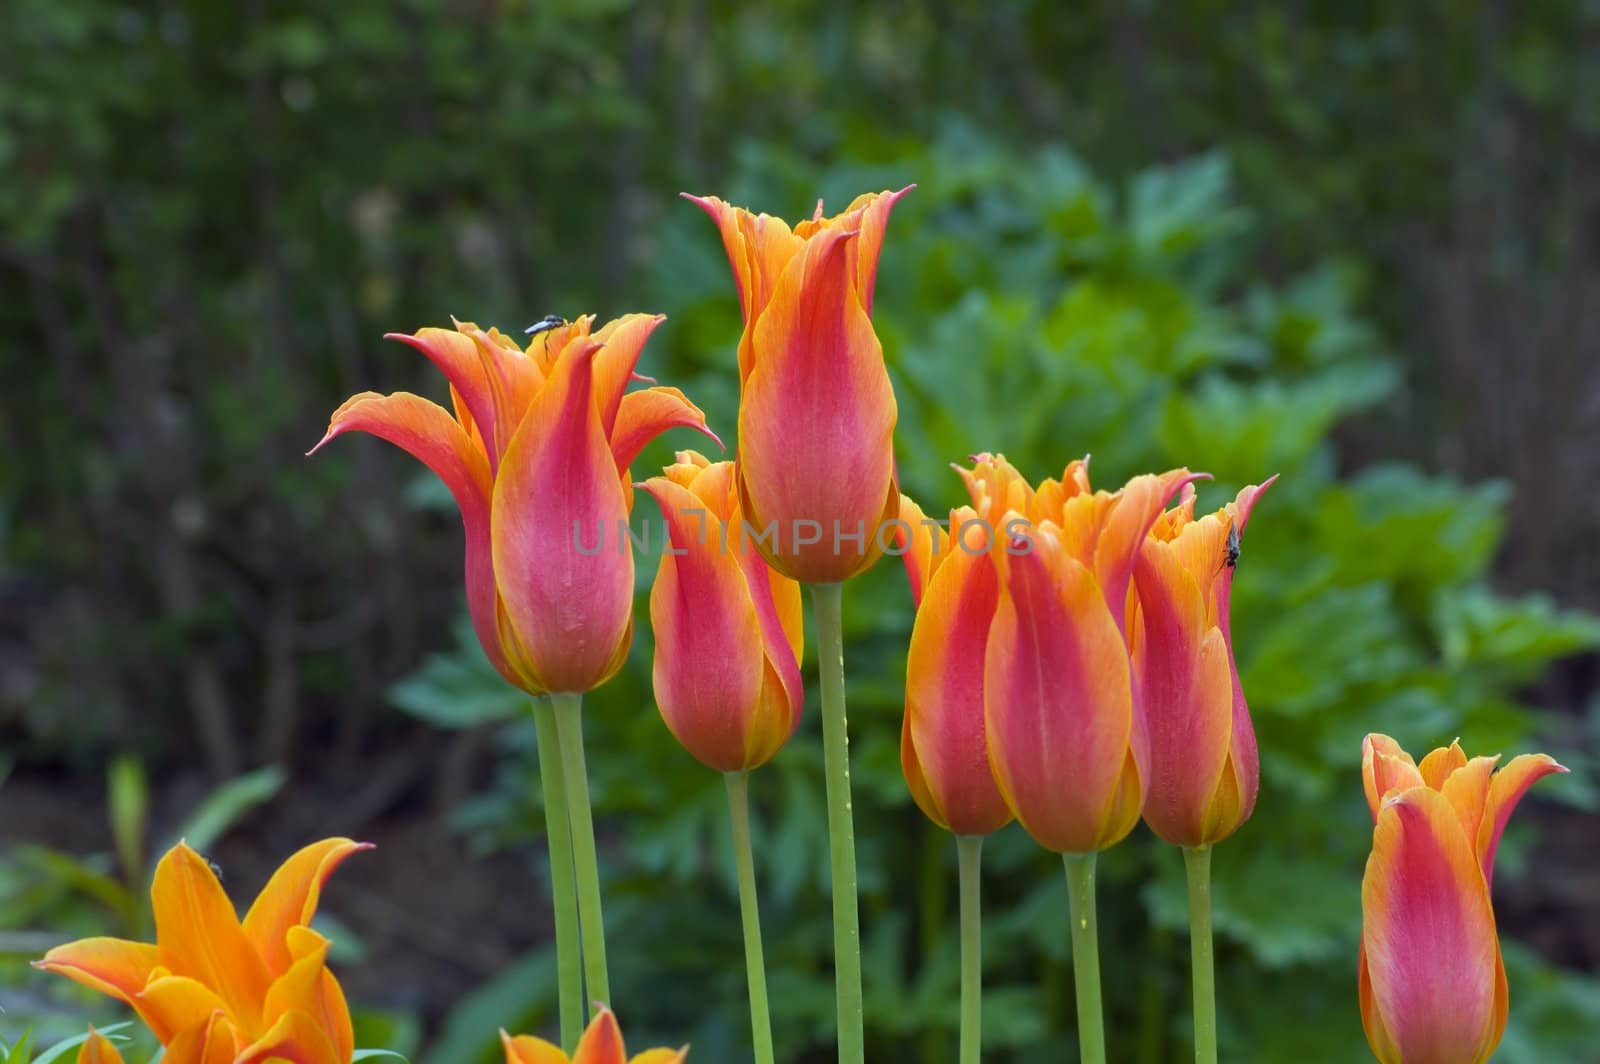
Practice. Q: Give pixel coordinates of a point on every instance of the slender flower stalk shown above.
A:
(563, 885)
(1085, 956)
(826, 600)
(750, 914)
(969, 849)
(1197, 862)
(585, 862)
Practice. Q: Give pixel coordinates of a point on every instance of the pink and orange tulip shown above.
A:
(1203, 767)
(728, 628)
(1065, 733)
(600, 1044)
(816, 409)
(217, 990)
(536, 456)
(1432, 982)
(943, 750)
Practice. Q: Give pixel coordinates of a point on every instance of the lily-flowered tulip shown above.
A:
(1203, 767)
(816, 409)
(943, 750)
(97, 1049)
(536, 456)
(1065, 734)
(1432, 982)
(601, 1044)
(215, 990)
(728, 628)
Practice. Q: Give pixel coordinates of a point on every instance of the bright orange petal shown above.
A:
(602, 1042)
(662, 1056)
(645, 414)
(307, 986)
(1385, 769)
(561, 558)
(296, 1038)
(112, 966)
(199, 935)
(291, 896)
(1505, 791)
(526, 1049)
(173, 1004)
(1433, 956)
(624, 339)
(1438, 764)
(210, 1042)
(922, 543)
(97, 1049)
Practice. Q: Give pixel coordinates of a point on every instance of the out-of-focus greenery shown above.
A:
(209, 212)
(1030, 309)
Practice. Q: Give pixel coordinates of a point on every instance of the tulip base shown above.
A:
(563, 886)
(969, 851)
(1197, 864)
(827, 601)
(750, 914)
(585, 861)
(1085, 957)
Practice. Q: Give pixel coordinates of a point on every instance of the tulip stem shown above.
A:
(1085, 957)
(569, 728)
(826, 600)
(969, 848)
(1197, 863)
(750, 913)
(563, 886)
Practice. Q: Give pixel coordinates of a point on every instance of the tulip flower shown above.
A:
(1065, 733)
(728, 628)
(1201, 760)
(816, 475)
(727, 669)
(1203, 767)
(601, 1044)
(816, 410)
(98, 1049)
(1432, 981)
(536, 456)
(213, 988)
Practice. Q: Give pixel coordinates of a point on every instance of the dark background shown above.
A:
(1359, 246)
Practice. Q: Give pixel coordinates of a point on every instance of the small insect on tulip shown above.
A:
(545, 324)
(1230, 552)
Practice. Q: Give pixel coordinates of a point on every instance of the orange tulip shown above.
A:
(1432, 982)
(97, 1049)
(214, 990)
(816, 409)
(1203, 767)
(728, 629)
(536, 456)
(1064, 730)
(601, 1044)
(943, 750)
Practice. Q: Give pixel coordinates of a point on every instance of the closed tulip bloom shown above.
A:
(1064, 731)
(97, 1049)
(536, 455)
(217, 990)
(1203, 767)
(943, 749)
(728, 628)
(601, 1044)
(816, 409)
(1432, 981)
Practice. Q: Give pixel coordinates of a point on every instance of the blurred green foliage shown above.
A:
(1028, 308)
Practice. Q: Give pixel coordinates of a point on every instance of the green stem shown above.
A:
(563, 887)
(826, 601)
(968, 851)
(569, 728)
(1197, 863)
(1085, 957)
(750, 913)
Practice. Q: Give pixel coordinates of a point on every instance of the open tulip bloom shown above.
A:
(815, 474)
(535, 453)
(729, 636)
(217, 990)
(1432, 983)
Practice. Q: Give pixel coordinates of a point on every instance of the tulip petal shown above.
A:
(112, 966)
(944, 718)
(871, 217)
(1438, 764)
(624, 340)
(1385, 769)
(1432, 953)
(295, 1038)
(661, 1056)
(97, 1049)
(1467, 791)
(307, 986)
(1122, 531)
(291, 896)
(922, 543)
(173, 1004)
(458, 358)
(198, 933)
(818, 363)
(1505, 791)
(425, 431)
(759, 246)
(209, 1042)
(1058, 702)
(570, 607)
(643, 415)
(526, 1049)
(602, 1042)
